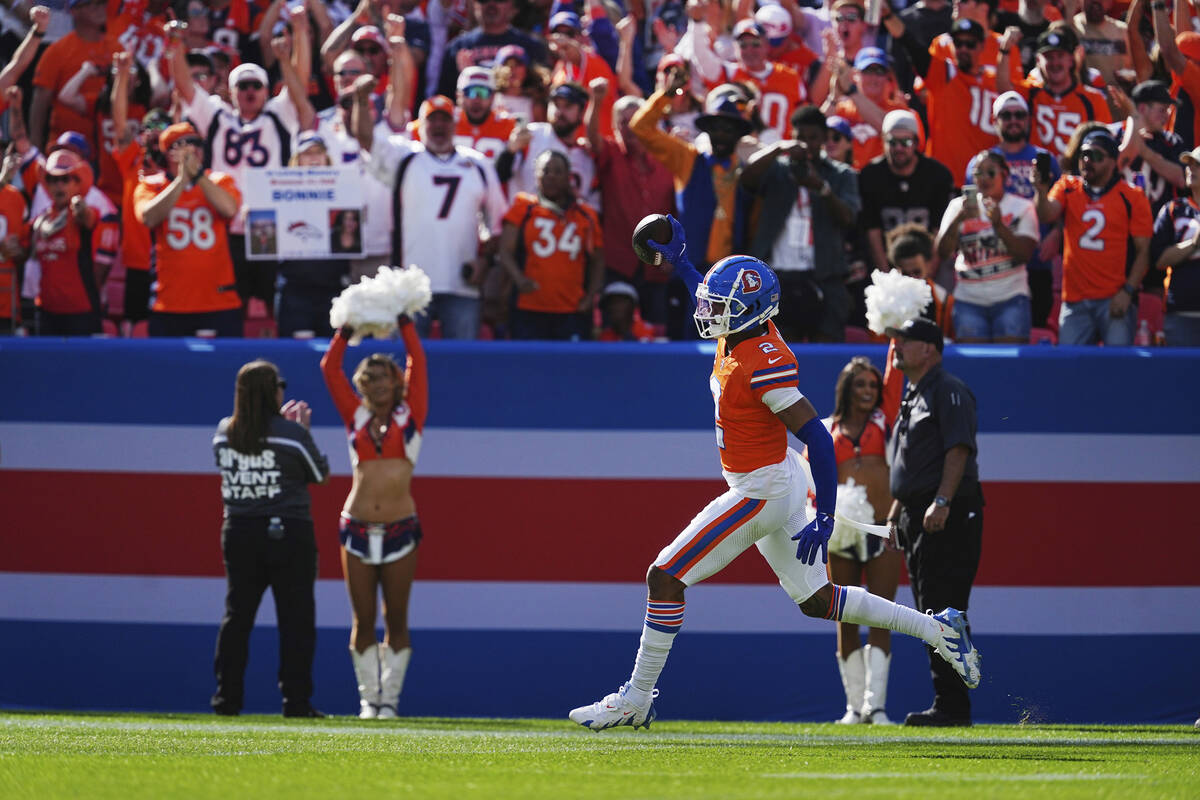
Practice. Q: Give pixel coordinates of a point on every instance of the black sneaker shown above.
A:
(302, 711)
(935, 718)
(225, 709)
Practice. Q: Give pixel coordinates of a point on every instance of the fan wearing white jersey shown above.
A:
(562, 133)
(448, 207)
(256, 131)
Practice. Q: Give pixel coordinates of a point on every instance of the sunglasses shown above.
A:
(1093, 155)
(348, 73)
(902, 141)
(477, 93)
(281, 383)
(243, 86)
(188, 141)
(848, 18)
(1007, 115)
(369, 50)
(52, 179)
(489, 2)
(837, 137)
(965, 44)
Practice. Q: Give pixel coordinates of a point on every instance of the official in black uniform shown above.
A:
(267, 457)
(938, 508)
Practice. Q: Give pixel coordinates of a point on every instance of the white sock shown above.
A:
(663, 620)
(857, 606)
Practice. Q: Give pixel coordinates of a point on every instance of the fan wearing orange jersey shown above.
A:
(575, 62)
(785, 48)
(478, 126)
(780, 89)
(865, 95)
(1107, 225)
(1181, 54)
(960, 91)
(1058, 104)
(757, 403)
(188, 209)
(552, 247)
(14, 242)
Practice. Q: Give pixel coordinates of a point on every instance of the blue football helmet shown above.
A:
(737, 293)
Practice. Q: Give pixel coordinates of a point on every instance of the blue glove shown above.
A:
(672, 251)
(815, 535)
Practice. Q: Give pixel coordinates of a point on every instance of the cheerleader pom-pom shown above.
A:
(410, 288)
(368, 306)
(893, 299)
(852, 504)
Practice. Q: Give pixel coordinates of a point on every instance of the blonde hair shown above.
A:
(380, 360)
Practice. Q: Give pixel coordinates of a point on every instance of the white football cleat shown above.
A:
(615, 709)
(954, 645)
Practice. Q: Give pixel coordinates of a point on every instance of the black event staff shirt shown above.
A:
(935, 415)
(271, 483)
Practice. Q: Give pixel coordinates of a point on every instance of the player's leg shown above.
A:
(396, 578)
(883, 575)
(714, 537)
(242, 545)
(293, 572)
(850, 656)
(362, 580)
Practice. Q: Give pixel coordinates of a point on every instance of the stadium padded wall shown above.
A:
(550, 477)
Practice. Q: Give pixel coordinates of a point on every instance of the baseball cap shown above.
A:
(368, 33)
(919, 330)
(619, 289)
(839, 124)
(1009, 100)
(156, 119)
(748, 27)
(174, 133)
(870, 56)
(724, 102)
(1056, 39)
(475, 76)
(1152, 92)
(1190, 157)
(62, 162)
(247, 72)
(1100, 140)
(511, 51)
(74, 141)
(901, 119)
(439, 102)
(671, 60)
(1189, 44)
(565, 19)
(775, 22)
(310, 139)
(571, 92)
(967, 27)
(200, 58)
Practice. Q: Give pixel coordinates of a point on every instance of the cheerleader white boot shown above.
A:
(394, 665)
(875, 697)
(366, 670)
(853, 672)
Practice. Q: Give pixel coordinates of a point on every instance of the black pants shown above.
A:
(254, 561)
(549, 326)
(137, 294)
(253, 278)
(1041, 295)
(942, 567)
(812, 310)
(226, 323)
(84, 324)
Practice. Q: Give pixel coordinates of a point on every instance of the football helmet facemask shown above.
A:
(737, 293)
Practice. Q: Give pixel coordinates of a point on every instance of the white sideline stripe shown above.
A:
(617, 607)
(609, 741)
(956, 777)
(467, 452)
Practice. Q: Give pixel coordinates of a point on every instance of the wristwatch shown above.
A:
(1129, 289)
(940, 501)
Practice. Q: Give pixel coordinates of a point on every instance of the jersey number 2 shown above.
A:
(1090, 240)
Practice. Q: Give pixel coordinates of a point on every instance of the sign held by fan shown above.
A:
(304, 212)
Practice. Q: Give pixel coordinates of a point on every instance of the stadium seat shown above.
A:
(140, 330)
(257, 309)
(259, 328)
(109, 328)
(1150, 308)
(1043, 336)
(857, 335)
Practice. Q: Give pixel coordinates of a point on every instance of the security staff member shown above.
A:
(267, 457)
(938, 507)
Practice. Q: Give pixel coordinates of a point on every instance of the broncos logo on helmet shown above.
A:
(737, 293)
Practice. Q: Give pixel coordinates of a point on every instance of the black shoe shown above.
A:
(226, 709)
(935, 718)
(302, 711)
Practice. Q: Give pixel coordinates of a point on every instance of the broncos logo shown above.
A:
(751, 281)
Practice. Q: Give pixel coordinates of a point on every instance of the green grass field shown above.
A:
(125, 756)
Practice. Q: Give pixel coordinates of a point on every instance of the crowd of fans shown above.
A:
(1036, 163)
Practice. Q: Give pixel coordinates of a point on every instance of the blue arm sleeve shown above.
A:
(690, 276)
(823, 462)
(604, 36)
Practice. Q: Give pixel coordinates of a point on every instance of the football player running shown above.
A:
(758, 401)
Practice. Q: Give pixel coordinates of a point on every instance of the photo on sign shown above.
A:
(345, 230)
(264, 237)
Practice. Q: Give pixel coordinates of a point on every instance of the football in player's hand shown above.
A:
(656, 227)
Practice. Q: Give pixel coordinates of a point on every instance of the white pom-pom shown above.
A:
(852, 504)
(893, 299)
(372, 305)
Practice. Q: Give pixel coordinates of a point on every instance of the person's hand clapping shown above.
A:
(297, 411)
(39, 17)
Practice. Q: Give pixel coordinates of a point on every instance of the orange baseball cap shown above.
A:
(439, 102)
(174, 133)
(1189, 44)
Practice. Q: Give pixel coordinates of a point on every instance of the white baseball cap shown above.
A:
(1009, 100)
(776, 22)
(247, 71)
(475, 76)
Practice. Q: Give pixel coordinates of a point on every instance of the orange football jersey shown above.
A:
(868, 141)
(556, 249)
(592, 66)
(135, 237)
(1096, 246)
(12, 223)
(1054, 118)
(781, 89)
(194, 272)
(960, 114)
(749, 435)
(489, 138)
(943, 47)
